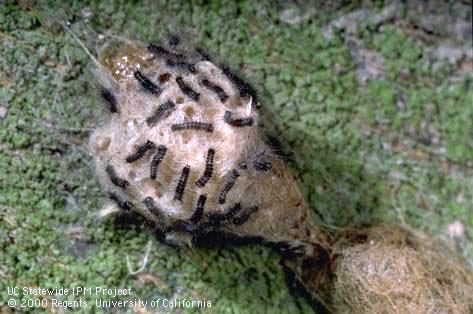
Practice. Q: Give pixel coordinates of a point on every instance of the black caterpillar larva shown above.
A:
(216, 89)
(216, 218)
(109, 98)
(156, 161)
(241, 122)
(192, 94)
(181, 184)
(151, 206)
(243, 87)
(147, 84)
(228, 185)
(245, 216)
(125, 205)
(209, 166)
(122, 183)
(194, 125)
(161, 52)
(199, 210)
(162, 111)
(181, 65)
(140, 152)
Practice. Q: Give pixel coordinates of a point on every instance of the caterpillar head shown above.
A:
(182, 148)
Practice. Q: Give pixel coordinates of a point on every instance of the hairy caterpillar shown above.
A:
(187, 90)
(147, 84)
(243, 87)
(194, 125)
(199, 210)
(140, 152)
(161, 112)
(122, 183)
(157, 159)
(181, 184)
(209, 165)
(242, 122)
(229, 182)
(216, 89)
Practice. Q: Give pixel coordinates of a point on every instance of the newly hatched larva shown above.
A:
(216, 89)
(199, 210)
(140, 152)
(157, 159)
(161, 112)
(122, 183)
(209, 166)
(243, 87)
(193, 125)
(181, 184)
(241, 122)
(147, 84)
(229, 182)
(187, 90)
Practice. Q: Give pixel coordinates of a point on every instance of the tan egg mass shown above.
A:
(183, 149)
